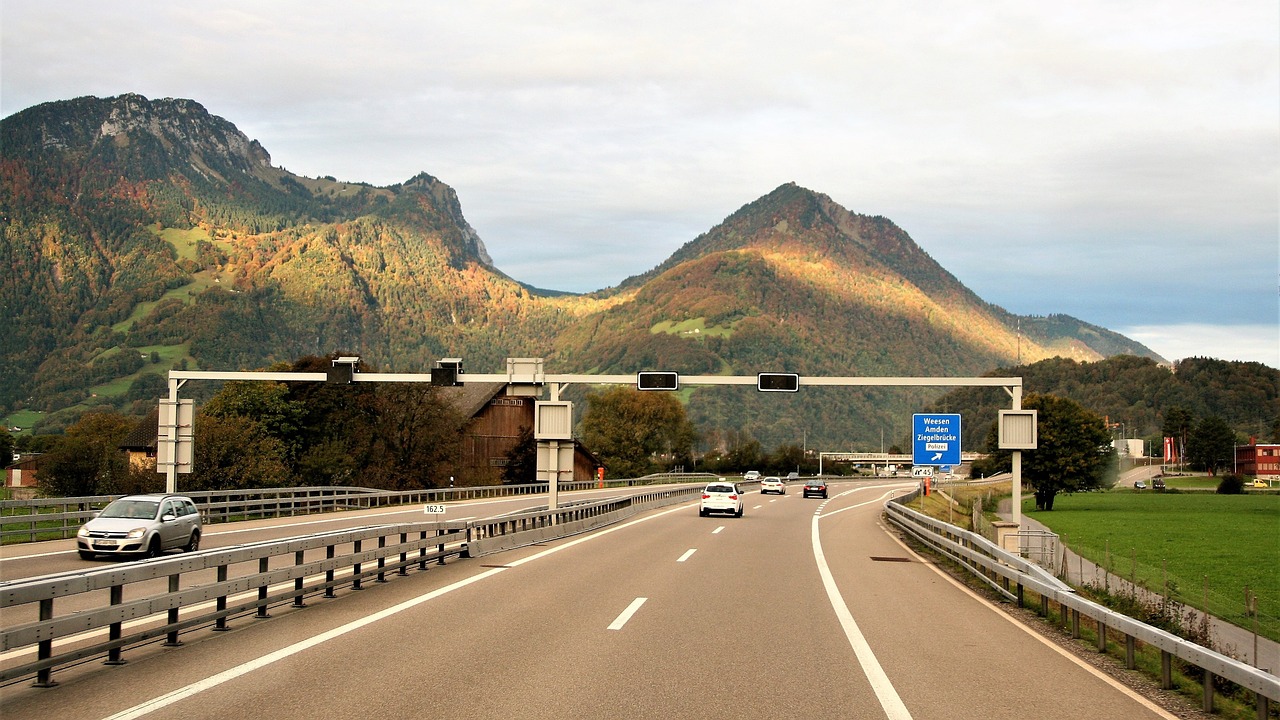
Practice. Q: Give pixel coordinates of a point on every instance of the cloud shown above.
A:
(1113, 162)
(1245, 343)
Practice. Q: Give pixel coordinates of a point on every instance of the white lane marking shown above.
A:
(626, 614)
(185, 692)
(757, 507)
(717, 530)
(687, 554)
(199, 686)
(1033, 633)
(894, 709)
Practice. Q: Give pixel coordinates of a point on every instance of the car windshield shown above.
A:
(815, 483)
(720, 488)
(136, 509)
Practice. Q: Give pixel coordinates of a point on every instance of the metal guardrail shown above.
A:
(1001, 569)
(520, 529)
(62, 517)
(303, 566)
(310, 566)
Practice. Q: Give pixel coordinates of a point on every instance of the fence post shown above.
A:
(297, 582)
(171, 640)
(328, 574)
(221, 603)
(113, 633)
(355, 569)
(1208, 691)
(44, 678)
(262, 590)
(382, 560)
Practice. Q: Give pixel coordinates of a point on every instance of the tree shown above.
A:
(1074, 451)
(236, 452)
(416, 437)
(1212, 444)
(747, 455)
(522, 460)
(87, 460)
(6, 445)
(266, 403)
(632, 431)
(1177, 425)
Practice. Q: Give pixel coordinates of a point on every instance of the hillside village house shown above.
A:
(494, 429)
(21, 477)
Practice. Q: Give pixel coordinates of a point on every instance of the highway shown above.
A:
(801, 608)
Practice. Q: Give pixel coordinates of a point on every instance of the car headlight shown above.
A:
(136, 533)
(83, 531)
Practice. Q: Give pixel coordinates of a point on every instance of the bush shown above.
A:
(1231, 484)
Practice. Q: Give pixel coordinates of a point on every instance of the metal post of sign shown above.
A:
(1017, 464)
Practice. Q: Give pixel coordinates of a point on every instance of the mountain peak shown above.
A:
(146, 136)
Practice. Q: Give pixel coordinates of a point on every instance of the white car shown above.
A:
(773, 485)
(144, 525)
(751, 475)
(721, 497)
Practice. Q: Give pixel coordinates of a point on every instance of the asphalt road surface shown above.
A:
(801, 608)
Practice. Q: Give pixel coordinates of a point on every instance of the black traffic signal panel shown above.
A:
(657, 381)
(777, 382)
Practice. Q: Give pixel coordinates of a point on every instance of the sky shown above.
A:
(1113, 160)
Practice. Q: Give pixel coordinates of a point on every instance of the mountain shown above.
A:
(149, 234)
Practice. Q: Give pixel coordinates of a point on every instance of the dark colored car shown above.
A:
(1158, 483)
(815, 487)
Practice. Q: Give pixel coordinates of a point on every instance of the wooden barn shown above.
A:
(497, 420)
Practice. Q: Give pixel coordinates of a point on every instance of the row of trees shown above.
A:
(405, 436)
(276, 434)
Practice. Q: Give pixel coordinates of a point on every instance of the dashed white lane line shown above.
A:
(717, 530)
(199, 686)
(626, 614)
(688, 553)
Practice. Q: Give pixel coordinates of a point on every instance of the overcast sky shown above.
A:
(1115, 161)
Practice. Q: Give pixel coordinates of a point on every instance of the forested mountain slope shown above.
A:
(142, 235)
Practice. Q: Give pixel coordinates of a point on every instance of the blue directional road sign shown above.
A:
(935, 439)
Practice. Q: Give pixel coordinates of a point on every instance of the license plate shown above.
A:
(104, 543)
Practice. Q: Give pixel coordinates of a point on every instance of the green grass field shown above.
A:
(1232, 540)
(695, 327)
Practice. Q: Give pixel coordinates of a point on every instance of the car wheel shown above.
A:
(84, 555)
(739, 513)
(194, 545)
(153, 548)
(702, 513)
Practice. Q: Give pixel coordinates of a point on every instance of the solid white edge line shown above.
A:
(626, 614)
(687, 554)
(199, 686)
(1038, 636)
(892, 704)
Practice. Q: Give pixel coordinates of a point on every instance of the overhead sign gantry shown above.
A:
(525, 377)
